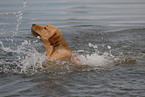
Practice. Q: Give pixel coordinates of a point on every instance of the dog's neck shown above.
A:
(49, 49)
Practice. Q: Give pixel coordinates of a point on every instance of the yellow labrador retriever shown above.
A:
(55, 45)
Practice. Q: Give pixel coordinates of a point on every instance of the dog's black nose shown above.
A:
(33, 25)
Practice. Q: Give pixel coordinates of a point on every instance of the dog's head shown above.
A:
(44, 33)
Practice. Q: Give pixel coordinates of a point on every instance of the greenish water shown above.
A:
(108, 35)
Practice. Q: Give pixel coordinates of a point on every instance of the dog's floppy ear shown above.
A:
(55, 39)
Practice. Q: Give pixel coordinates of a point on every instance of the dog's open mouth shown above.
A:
(35, 34)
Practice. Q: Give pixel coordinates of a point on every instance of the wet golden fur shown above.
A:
(61, 52)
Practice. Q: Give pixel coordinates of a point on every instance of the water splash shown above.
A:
(29, 61)
(19, 16)
(24, 56)
(32, 62)
(96, 58)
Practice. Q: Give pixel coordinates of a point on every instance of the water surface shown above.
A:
(108, 35)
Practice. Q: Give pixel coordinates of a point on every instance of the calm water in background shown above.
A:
(109, 36)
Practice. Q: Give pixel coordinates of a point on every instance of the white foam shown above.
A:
(96, 58)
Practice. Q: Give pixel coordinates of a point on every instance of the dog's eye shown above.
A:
(45, 28)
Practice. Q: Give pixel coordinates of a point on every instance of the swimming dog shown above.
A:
(55, 45)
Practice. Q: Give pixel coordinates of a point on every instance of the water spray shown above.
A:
(19, 16)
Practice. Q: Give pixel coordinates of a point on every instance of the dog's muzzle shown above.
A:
(33, 32)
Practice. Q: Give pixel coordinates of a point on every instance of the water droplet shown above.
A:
(109, 47)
